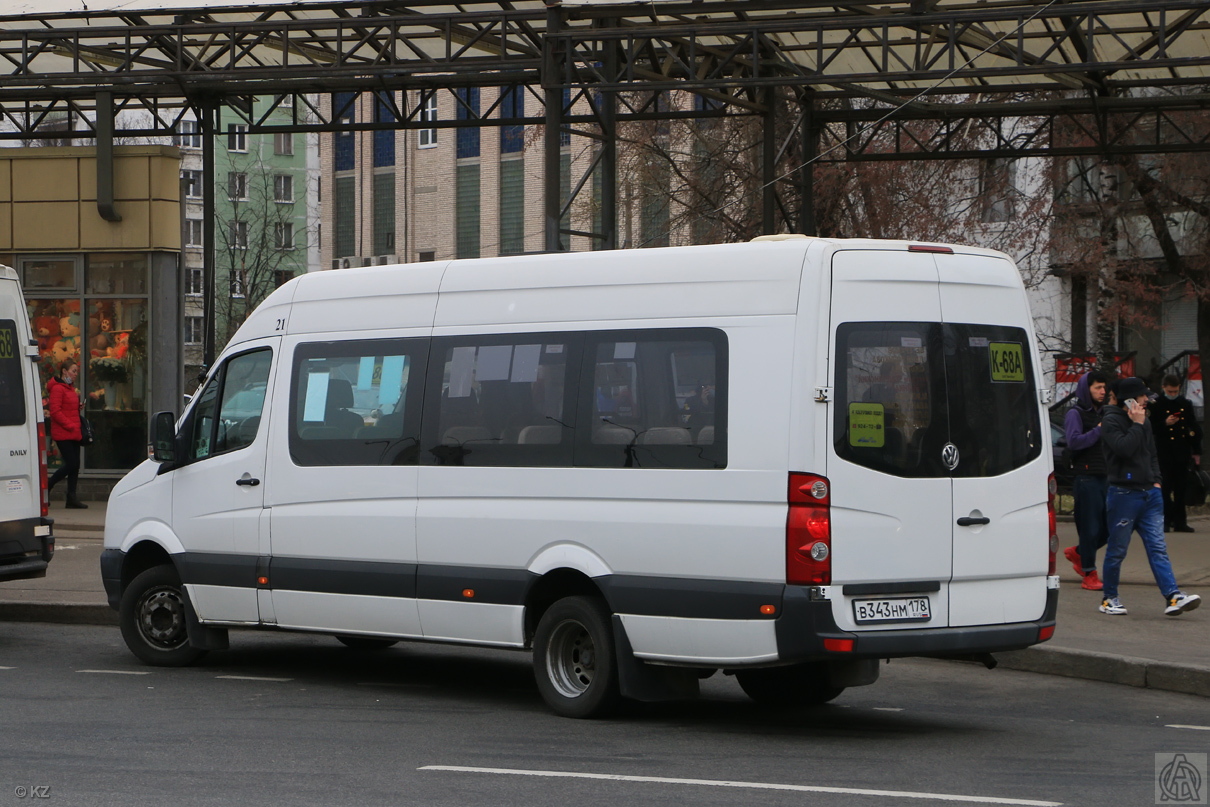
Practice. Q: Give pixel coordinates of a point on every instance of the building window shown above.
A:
(283, 143)
(283, 187)
(237, 137)
(512, 105)
(997, 189)
(468, 109)
(193, 233)
(237, 234)
(192, 181)
(427, 138)
(384, 213)
(239, 283)
(283, 234)
(282, 276)
(194, 332)
(237, 186)
(426, 256)
(512, 207)
(466, 213)
(196, 281)
(384, 139)
(190, 136)
(344, 216)
(344, 143)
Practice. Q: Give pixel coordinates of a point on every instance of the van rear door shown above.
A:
(892, 548)
(938, 484)
(999, 570)
(20, 496)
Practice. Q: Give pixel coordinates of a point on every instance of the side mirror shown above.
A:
(163, 437)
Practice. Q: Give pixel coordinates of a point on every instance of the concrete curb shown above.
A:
(1110, 668)
(58, 613)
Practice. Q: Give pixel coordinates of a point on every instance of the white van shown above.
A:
(26, 541)
(785, 459)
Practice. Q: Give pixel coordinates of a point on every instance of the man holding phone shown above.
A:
(1178, 441)
(1134, 499)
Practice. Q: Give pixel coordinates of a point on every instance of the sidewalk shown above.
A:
(1144, 648)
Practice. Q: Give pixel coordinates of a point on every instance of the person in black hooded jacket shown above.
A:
(1082, 428)
(1135, 502)
(1178, 441)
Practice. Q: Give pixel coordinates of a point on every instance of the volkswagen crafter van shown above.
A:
(785, 460)
(26, 540)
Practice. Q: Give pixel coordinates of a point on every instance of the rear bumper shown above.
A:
(26, 547)
(805, 624)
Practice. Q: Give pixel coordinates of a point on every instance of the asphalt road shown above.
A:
(284, 719)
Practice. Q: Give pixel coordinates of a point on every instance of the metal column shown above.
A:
(206, 113)
(768, 173)
(809, 132)
(552, 138)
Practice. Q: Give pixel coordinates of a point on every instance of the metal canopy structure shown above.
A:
(898, 79)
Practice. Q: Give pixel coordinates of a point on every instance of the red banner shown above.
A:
(1068, 369)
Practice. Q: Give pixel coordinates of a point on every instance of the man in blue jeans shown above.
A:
(1135, 501)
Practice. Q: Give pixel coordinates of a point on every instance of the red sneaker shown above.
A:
(1072, 553)
(1092, 582)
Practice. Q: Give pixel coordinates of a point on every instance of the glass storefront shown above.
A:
(94, 309)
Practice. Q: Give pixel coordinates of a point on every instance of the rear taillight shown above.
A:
(44, 492)
(809, 531)
(1052, 541)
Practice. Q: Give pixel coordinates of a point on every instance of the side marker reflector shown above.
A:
(838, 645)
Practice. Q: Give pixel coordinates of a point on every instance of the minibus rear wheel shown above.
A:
(796, 686)
(575, 662)
(152, 618)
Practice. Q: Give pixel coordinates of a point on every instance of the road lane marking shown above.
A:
(116, 672)
(1181, 726)
(851, 791)
(888, 708)
(8, 668)
(252, 678)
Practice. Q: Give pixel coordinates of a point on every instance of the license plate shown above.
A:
(893, 609)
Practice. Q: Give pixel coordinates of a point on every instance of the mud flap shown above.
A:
(202, 637)
(649, 683)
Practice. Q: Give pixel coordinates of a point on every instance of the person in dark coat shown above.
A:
(64, 407)
(1082, 427)
(1178, 441)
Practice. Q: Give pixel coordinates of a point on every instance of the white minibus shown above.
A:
(785, 459)
(26, 540)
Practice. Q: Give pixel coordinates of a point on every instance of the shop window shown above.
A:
(45, 274)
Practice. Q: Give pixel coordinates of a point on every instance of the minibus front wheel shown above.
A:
(575, 660)
(152, 616)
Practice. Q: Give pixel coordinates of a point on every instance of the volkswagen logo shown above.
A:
(949, 456)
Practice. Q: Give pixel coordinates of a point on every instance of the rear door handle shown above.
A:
(249, 481)
(969, 521)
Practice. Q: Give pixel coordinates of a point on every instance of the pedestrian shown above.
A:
(65, 428)
(1135, 501)
(1178, 441)
(1082, 427)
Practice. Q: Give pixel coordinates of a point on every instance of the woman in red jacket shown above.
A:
(65, 428)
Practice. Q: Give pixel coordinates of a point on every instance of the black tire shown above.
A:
(365, 642)
(575, 662)
(798, 686)
(152, 618)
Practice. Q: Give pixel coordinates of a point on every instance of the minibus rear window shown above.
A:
(890, 397)
(905, 389)
(12, 387)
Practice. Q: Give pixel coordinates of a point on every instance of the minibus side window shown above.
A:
(891, 407)
(502, 400)
(356, 402)
(12, 388)
(242, 380)
(655, 399)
